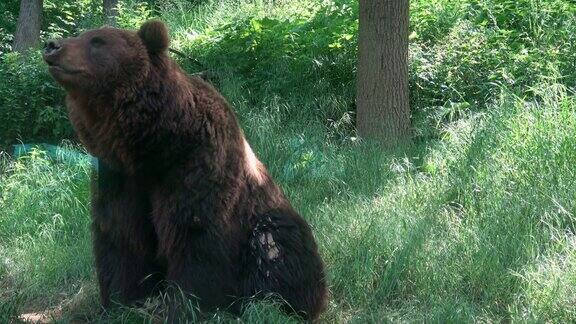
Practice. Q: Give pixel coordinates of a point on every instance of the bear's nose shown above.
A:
(51, 47)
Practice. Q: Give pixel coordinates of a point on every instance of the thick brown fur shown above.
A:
(182, 197)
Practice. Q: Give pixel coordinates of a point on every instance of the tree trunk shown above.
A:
(28, 26)
(110, 11)
(383, 108)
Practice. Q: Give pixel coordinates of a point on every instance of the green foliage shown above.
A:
(60, 18)
(474, 48)
(31, 103)
(65, 18)
(274, 54)
(132, 14)
(9, 13)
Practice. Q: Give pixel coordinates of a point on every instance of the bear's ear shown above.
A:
(154, 35)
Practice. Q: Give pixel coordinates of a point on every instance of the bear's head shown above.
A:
(100, 60)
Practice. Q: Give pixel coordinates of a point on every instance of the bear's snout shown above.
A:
(51, 50)
(64, 59)
(51, 47)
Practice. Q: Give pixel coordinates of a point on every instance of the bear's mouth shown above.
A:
(54, 67)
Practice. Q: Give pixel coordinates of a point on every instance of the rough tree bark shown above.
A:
(383, 110)
(110, 11)
(28, 27)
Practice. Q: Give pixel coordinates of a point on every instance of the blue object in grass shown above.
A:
(58, 153)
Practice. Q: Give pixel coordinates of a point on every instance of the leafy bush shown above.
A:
(307, 54)
(132, 14)
(9, 12)
(31, 103)
(65, 18)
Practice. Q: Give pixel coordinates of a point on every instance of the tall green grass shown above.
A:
(44, 239)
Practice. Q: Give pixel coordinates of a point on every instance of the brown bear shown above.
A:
(182, 197)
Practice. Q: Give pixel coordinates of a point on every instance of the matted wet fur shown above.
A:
(182, 197)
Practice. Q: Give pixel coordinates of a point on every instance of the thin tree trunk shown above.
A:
(383, 109)
(28, 27)
(110, 11)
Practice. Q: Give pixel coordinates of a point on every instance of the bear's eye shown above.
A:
(97, 41)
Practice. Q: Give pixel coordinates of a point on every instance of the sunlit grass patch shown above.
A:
(44, 237)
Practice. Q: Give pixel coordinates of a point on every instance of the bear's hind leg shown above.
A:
(283, 261)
